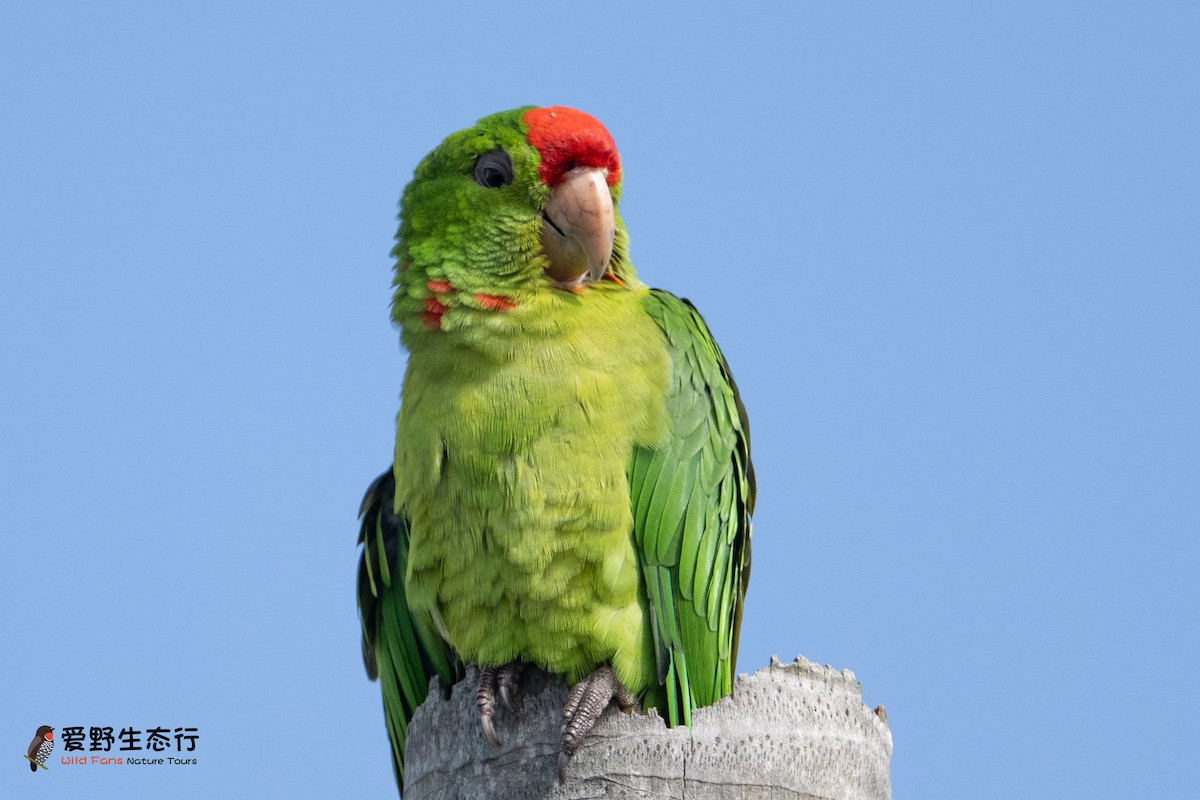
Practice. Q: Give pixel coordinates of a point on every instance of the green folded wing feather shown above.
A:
(401, 649)
(692, 498)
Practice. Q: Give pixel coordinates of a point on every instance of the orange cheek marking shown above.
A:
(612, 277)
(442, 287)
(432, 315)
(495, 302)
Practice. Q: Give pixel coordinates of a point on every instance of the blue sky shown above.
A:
(949, 249)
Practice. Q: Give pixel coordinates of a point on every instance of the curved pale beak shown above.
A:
(577, 228)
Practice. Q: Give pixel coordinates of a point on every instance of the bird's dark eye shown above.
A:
(493, 169)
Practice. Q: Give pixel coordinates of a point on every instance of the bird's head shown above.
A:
(522, 204)
(46, 732)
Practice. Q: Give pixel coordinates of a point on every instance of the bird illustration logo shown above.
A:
(40, 748)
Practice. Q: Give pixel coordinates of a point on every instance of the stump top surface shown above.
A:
(795, 730)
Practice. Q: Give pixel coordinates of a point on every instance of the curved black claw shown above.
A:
(485, 701)
(508, 678)
(490, 679)
(585, 703)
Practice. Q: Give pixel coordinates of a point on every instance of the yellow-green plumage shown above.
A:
(572, 483)
(513, 474)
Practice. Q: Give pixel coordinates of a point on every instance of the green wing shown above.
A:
(401, 649)
(692, 499)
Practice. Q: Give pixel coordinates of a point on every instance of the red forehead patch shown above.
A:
(566, 139)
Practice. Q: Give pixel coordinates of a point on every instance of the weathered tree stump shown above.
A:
(794, 730)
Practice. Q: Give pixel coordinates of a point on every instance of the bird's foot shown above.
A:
(585, 703)
(505, 679)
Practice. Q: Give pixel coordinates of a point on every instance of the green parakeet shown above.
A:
(572, 485)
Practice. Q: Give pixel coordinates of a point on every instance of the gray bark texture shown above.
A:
(794, 731)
